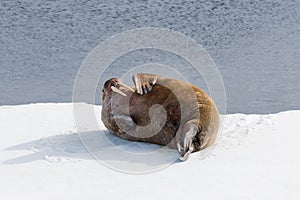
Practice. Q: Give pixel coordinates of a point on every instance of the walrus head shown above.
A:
(115, 85)
(115, 98)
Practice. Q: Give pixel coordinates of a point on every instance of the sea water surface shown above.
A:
(256, 45)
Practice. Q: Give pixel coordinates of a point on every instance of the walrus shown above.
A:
(161, 111)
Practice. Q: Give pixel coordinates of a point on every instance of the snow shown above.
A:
(42, 157)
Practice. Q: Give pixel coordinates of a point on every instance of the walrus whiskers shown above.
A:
(126, 86)
(116, 90)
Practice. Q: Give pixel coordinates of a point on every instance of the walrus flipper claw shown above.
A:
(144, 82)
(185, 144)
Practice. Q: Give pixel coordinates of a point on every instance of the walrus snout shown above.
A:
(109, 83)
(116, 85)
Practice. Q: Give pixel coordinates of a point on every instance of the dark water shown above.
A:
(256, 45)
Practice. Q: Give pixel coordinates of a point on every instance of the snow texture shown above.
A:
(42, 157)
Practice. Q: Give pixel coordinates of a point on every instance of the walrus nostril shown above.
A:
(113, 84)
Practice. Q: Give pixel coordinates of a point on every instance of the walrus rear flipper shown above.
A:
(185, 141)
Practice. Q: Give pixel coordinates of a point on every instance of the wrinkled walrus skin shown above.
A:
(190, 122)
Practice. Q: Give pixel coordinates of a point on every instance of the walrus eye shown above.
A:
(102, 90)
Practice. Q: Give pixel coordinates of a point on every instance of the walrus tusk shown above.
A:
(126, 86)
(117, 91)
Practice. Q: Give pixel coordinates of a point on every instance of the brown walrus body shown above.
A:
(162, 111)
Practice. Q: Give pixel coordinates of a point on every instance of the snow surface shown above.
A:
(42, 157)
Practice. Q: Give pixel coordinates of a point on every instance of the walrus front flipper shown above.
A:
(144, 82)
(125, 123)
(185, 140)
